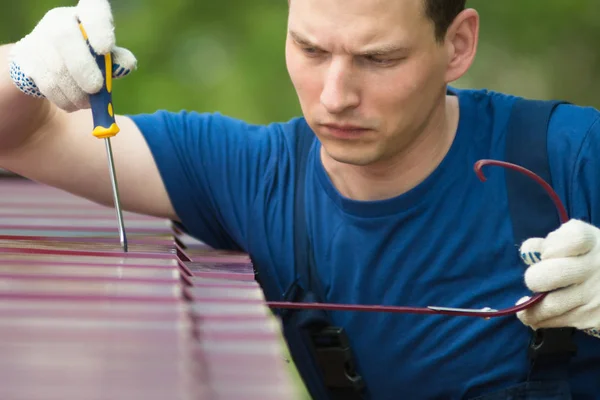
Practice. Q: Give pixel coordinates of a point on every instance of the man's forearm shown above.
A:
(20, 115)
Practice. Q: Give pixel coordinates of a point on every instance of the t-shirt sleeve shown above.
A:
(585, 194)
(212, 167)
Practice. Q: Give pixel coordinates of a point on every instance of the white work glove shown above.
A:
(54, 60)
(567, 264)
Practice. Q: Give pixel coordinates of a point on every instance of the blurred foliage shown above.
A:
(228, 56)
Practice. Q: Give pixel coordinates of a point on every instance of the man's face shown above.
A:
(368, 73)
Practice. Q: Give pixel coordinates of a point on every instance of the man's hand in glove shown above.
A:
(567, 264)
(54, 60)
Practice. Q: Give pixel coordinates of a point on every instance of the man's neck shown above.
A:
(407, 169)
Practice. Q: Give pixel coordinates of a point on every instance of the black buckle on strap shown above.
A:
(334, 356)
(552, 342)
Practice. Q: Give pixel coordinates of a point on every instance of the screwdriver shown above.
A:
(105, 126)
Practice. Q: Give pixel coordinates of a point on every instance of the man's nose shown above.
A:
(339, 91)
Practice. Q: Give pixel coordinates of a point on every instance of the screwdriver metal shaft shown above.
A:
(117, 200)
(105, 127)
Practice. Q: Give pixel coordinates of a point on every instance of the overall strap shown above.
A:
(533, 215)
(302, 247)
(268, 284)
(321, 351)
(304, 261)
(532, 211)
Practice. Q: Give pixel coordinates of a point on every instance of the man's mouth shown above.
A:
(344, 131)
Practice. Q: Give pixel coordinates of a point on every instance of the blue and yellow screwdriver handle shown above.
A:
(105, 125)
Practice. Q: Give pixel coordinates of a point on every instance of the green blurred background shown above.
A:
(228, 56)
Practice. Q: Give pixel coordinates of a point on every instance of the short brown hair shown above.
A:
(442, 13)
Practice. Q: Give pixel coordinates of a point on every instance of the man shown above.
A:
(394, 213)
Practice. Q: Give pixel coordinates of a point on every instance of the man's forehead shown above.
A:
(372, 7)
(359, 23)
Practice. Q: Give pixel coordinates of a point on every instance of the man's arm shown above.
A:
(204, 170)
(42, 142)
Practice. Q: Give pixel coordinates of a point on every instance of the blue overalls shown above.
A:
(321, 351)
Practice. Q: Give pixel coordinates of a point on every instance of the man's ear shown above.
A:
(461, 43)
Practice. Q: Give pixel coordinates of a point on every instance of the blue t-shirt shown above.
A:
(446, 242)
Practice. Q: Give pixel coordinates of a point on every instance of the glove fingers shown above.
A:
(77, 58)
(123, 62)
(556, 308)
(73, 92)
(573, 238)
(60, 98)
(97, 20)
(531, 250)
(45, 72)
(522, 300)
(572, 319)
(556, 273)
(60, 94)
(58, 86)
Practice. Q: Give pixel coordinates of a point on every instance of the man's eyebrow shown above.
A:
(384, 50)
(301, 40)
(374, 51)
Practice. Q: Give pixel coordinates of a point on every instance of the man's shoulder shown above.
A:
(484, 99)
(573, 139)
(569, 124)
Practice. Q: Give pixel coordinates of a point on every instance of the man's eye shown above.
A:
(311, 51)
(379, 61)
